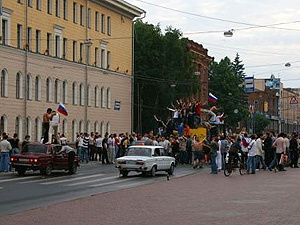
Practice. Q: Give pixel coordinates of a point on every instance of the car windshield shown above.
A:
(35, 149)
(136, 151)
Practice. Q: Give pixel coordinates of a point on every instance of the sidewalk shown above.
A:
(264, 198)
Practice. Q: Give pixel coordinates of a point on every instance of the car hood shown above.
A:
(138, 158)
(28, 155)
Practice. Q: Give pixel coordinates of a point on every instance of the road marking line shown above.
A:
(91, 181)
(46, 179)
(72, 179)
(17, 178)
(113, 182)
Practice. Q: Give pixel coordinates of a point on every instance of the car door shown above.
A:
(60, 161)
(159, 158)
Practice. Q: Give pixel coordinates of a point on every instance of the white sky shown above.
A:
(259, 46)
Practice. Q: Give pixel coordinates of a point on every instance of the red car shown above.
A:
(37, 156)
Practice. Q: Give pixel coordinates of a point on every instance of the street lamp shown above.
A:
(229, 33)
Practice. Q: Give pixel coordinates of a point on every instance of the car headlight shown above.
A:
(140, 162)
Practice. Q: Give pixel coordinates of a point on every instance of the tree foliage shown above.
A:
(163, 72)
(261, 122)
(226, 82)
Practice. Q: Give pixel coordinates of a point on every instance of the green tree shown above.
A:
(260, 122)
(226, 82)
(163, 72)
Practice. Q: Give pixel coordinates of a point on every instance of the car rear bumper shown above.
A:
(138, 169)
(36, 166)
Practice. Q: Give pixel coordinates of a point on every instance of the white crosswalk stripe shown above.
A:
(16, 179)
(113, 182)
(91, 181)
(72, 179)
(45, 179)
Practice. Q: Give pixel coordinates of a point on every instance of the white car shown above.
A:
(145, 159)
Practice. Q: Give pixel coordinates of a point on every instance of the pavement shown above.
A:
(200, 198)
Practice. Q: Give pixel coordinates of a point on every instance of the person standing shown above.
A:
(269, 150)
(47, 117)
(111, 148)
(259, 157)
(198, 154)
(99, 147)
(189, 149)
(294, 151)
(85, 147)
(15, 144)
(54, 124)
(279, 144)
(251, 155)
(213, 154)
(104, 148)
(5, 148)
(224, 145)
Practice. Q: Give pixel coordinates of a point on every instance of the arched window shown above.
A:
(74, 130)
(19, 86)
(96, 127)
(96, 92)
(38, 88)
(38, 129)
(4, 83)
(88, 95)
(49, 89)
(19, 127)
(28, 126)
(56, 91)
(108, 127)
(64, 127)
(3, 124)
(88, 127)
(81, 94)
(102, 131)
(65, 92)
(108, 98)
(28, 87)
(81, 126)
(102, 97)
(74, 93)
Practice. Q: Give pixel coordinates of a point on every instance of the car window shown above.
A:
(157, 152)
(56, 149)
(136, 151)
(35, 148)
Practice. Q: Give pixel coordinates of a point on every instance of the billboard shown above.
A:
(273, 83)
(249, 84)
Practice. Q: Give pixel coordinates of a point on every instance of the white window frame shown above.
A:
(65, 9)
(49, 7)
(74, 130)
(28, 126)
(49, 90)
(74, 93)
(65, 48)
(96, 97)
(108, 127)
(19, 85)
(65, 92)
(58, 32)
(4, 83)
(39, 4)
(19, 127)
(103, 97)
(28, 87)
(29, 38)
(89, 17)
(96, 63)
(102, 130)
(109, 25)
(81, 12)
(4, 118)
(38, 88)
(97, 22)
(6, 16)
(108, 98)
(81, 94)
(57, 8)
(38, 38)
(103, 23)
(75, 12)
(50, 47)
(74, 46)
(19, 35)
(57, 89)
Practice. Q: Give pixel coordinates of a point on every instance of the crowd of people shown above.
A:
(261, 151)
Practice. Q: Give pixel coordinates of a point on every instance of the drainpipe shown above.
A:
(133, 74)
(26, 71)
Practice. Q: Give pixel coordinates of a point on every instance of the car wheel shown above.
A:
(21, 171)
(171, 170)
(124, 173)
(153, 171)
(47, 171)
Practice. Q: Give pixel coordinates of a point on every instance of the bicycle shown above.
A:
(232, 163)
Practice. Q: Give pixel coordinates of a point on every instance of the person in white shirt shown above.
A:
(99, 147)
(111, 148)
(5, 148)
(54, 124)
(260, 153)
(251, 155)
(71, 156)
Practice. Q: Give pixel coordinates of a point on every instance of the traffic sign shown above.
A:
(294, 100)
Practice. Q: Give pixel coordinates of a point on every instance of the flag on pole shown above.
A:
(212, 98)
(62, 109)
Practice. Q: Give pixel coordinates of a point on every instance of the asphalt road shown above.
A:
(18, 194)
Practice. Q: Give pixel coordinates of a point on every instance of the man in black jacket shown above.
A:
(294, 154)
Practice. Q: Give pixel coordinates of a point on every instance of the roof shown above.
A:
(126, 7)
(145, 146)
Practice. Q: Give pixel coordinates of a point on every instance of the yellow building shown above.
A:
(78, 53)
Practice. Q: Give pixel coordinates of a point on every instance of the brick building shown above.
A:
(201, 61)
(78, 53)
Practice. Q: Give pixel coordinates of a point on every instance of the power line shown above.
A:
(222, 20)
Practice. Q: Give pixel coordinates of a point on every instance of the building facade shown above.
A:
(201, 62)
(78, 53)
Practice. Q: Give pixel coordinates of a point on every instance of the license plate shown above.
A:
(23, 160)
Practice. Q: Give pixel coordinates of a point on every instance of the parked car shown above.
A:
(145, 159)
(37, 156)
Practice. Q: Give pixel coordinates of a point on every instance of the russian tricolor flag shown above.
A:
(62, 109)
(212, 98)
